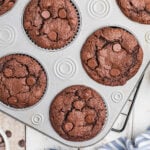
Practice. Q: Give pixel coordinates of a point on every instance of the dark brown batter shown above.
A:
(22, 81)
(51, 24)
(6, 5)
(78, 113)
(111, 56)
(136, 10)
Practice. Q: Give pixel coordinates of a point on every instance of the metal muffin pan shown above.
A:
(64, 67)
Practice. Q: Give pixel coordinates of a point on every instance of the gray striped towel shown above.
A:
(141, 142)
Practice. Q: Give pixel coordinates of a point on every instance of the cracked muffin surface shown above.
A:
(136, 10)
(78, 113)
(111, 56)
(6, 5)
(51, 24)
(22, 81)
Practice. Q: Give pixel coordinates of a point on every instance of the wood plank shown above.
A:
(17, 129)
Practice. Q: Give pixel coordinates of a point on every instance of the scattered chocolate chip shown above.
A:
(8, 133)
(92, 63)
(21, 143)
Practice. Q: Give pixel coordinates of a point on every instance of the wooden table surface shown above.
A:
(138, 122)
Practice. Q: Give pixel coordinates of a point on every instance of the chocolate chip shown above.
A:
(117, 47)
(115, 72)
(68, 126)
(92, 63)
(52, 36)
(148, 7)
(21, 143)
(45, 14)
(31, 80)
(8, 72)
(8, 133)
(90, 119)
(87, 94)
(79, 104)
(62, 13)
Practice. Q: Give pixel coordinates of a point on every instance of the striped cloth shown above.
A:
(141, 142)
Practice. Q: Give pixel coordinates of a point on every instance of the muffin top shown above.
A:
(51, 24)
(23, 81)
(111, 56)
(136, 10)
(78, 113)
(6, 5)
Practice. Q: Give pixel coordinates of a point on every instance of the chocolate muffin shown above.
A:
(78, 113)
(22, 81)
(51, 24)
(136, 10)
(111, 56)
(6, 5)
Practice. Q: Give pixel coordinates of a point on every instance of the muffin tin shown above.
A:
(64, 67)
